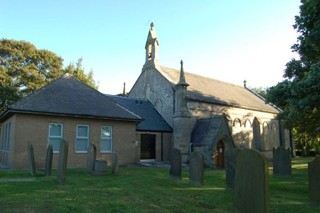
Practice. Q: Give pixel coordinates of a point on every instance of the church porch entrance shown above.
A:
(219, 158)
(148, 147)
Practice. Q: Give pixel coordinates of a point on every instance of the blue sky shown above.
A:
(230, 40)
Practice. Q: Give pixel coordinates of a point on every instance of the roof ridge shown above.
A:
(202, 76)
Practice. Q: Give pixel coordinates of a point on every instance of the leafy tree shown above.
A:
(299, 94)
(78, 72)
(24, 69)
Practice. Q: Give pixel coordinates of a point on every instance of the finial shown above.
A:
(124, 89)
(182, 79)
(151, 25)
(245, 83)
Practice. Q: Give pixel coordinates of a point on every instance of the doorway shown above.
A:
(220, 155)
(148, 147)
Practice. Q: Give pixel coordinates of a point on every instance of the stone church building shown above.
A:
(206, 114)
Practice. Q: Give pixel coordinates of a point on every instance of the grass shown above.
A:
(144, 189)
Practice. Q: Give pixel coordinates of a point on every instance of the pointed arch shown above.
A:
(236, 122)
(274, 135)
(265, 136)
(158, 105)
(147, 91)
(247, 123)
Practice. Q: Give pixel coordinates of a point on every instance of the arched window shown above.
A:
(274, 135)
(147, 91)
(247, 123)
(265, 136)
(149, 51)
(158, 105)
(236, 122)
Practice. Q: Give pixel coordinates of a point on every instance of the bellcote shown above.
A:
(151, 47)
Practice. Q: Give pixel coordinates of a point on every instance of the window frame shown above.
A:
(55, 137)
(81, 138)
(101, 138)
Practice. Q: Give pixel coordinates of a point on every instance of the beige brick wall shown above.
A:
(35, 129)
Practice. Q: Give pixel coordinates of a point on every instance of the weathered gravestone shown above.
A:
(100, 167)
(251, 185)
(32, 163)
(175, 164)
(115, 167)
(231, 155)
(281, 161)
(49, 157)
(257, 140)
(62, 162)
(196, 168)
(314, 181)
(91, 158)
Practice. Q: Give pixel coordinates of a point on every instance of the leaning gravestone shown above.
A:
(314, 183)
(231, 155)
(175, 164)
(281, 161)
(251, 189)
(91, 158)
(32, 163)
(49, 157)
(196, 168)
(115, 167)
(62, 162)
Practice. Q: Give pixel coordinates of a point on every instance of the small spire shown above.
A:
(182, 79)
(124, 89)
(151, 26)
(245, 83)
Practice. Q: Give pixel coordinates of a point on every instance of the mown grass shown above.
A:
(144, 189)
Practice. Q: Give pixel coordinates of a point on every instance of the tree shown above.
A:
(78, 72)
(24, 69)
(299, 94)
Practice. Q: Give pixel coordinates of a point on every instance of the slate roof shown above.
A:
(209, 90)
(151, 119)
(209, 130)
(70, 97)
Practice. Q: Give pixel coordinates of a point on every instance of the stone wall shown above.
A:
(161, 93)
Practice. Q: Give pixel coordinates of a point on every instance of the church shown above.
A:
(206, 114)
(166, 108)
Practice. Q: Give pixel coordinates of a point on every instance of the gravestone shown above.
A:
(49, 157)
(251, 189)
(231, 155)
(175, 164)
(281, 161)
(32, 163)
(196, 168)
(91, 158)
(257, 140)
(100, 167)
(62, 162)
(115, 167)
(314, 183)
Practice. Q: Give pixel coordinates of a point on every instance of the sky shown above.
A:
(231, 41)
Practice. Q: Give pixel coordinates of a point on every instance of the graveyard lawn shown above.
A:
(143, 189)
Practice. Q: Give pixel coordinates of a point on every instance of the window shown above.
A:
(55, 136)
(82, 140)
(106, 139)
